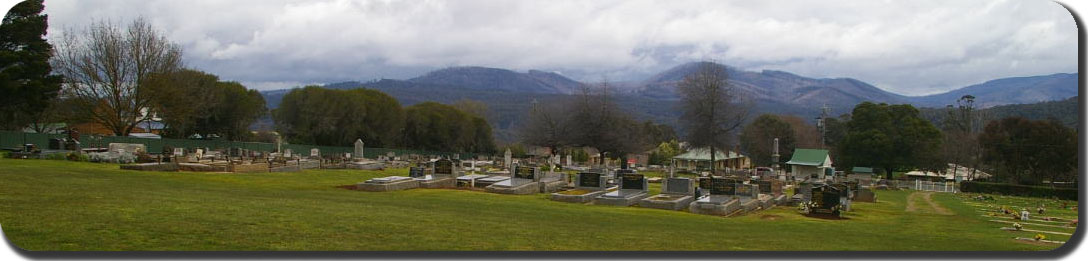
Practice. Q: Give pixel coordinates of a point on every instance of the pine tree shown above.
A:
(26, 86)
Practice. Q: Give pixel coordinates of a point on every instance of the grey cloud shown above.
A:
(908, 47)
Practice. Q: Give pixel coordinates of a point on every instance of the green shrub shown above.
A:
(1018, 190)
(57, 156)
(74, 156)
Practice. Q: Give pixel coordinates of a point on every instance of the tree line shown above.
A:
(899, 138)
(315, 115)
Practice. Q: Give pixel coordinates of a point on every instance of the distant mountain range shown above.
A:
(509, 93)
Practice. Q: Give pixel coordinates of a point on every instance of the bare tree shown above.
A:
(548, 125)
(106, 69)
(711, 108)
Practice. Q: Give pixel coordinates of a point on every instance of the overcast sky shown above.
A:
(908, 47)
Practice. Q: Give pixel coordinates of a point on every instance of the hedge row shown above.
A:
(1018, 190)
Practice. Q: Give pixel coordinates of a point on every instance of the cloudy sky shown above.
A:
(908, 47)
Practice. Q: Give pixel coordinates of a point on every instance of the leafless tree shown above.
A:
(547, 125)
(712, 109)
(106, 67)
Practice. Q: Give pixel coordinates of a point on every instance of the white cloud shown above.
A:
(909, 47)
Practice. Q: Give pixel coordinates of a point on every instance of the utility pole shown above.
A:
(821, 124)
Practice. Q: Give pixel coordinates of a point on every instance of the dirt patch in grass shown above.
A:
(770, 217)
(928, 197)
(825, 216)
(911, 206)
(348, 187)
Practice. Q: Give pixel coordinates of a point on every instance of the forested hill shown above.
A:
(1065, 111)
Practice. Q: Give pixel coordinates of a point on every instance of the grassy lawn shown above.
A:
(58, 205)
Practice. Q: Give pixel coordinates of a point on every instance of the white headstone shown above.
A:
(507, 159)
(314, 152)
(179, 152)
(199, 153)
(359, 148)
(287, 153)
(569, 161)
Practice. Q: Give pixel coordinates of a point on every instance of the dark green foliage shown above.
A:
(315, 115)
(238, 108)
(194, 102)
(1065, 111)
(1023, 151)
(1018, 190)
(26, 86)
(891, 137)
(657, 133)
(436, 126)
(757, 140)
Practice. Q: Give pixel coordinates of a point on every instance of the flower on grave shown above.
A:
(1039, 237)
(1017, 226)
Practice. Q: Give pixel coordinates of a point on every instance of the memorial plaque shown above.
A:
(632, 181)
(679, 186)
(745, 191)
(315, 152)
(416, 172)
(721, 186)
(524, 172)
(586, 179)
(826, 197)
(443, 167)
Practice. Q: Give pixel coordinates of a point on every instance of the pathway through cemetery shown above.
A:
(917, 202)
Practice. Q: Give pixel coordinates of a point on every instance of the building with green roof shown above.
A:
(809, 163)
(863, 175)
(699, 159)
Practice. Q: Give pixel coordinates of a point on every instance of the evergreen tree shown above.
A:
(26, 86)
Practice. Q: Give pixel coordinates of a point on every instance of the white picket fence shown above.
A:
(949, 187)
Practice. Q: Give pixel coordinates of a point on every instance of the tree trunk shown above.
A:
(712, 162)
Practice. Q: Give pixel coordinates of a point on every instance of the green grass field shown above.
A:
(59, 205)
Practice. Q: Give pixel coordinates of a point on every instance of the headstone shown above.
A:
(633, 181)
(314, 152)
(719, 186)
(678, 186)
(507, 159)
(443, 167)
(589, 179)
(359, 148)
(128, 147)
(199, 153)
(179, 152)
(569, 161)
(770, 187)
(416, 172)
(390, 155)
(526, 172)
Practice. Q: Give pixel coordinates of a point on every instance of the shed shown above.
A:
(809, 163)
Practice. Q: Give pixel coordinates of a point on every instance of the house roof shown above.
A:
(951, 173)
(703, 154)
(864, 170)
(808, 157)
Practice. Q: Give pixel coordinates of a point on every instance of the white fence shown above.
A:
(950, 187)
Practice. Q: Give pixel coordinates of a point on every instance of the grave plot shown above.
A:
(589, 186)
(632, 188)
(676, 194)
(1048, 219)
(721, 197)
(444, 176)
(526, 180)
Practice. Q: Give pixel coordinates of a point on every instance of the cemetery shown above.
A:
(745, 204)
